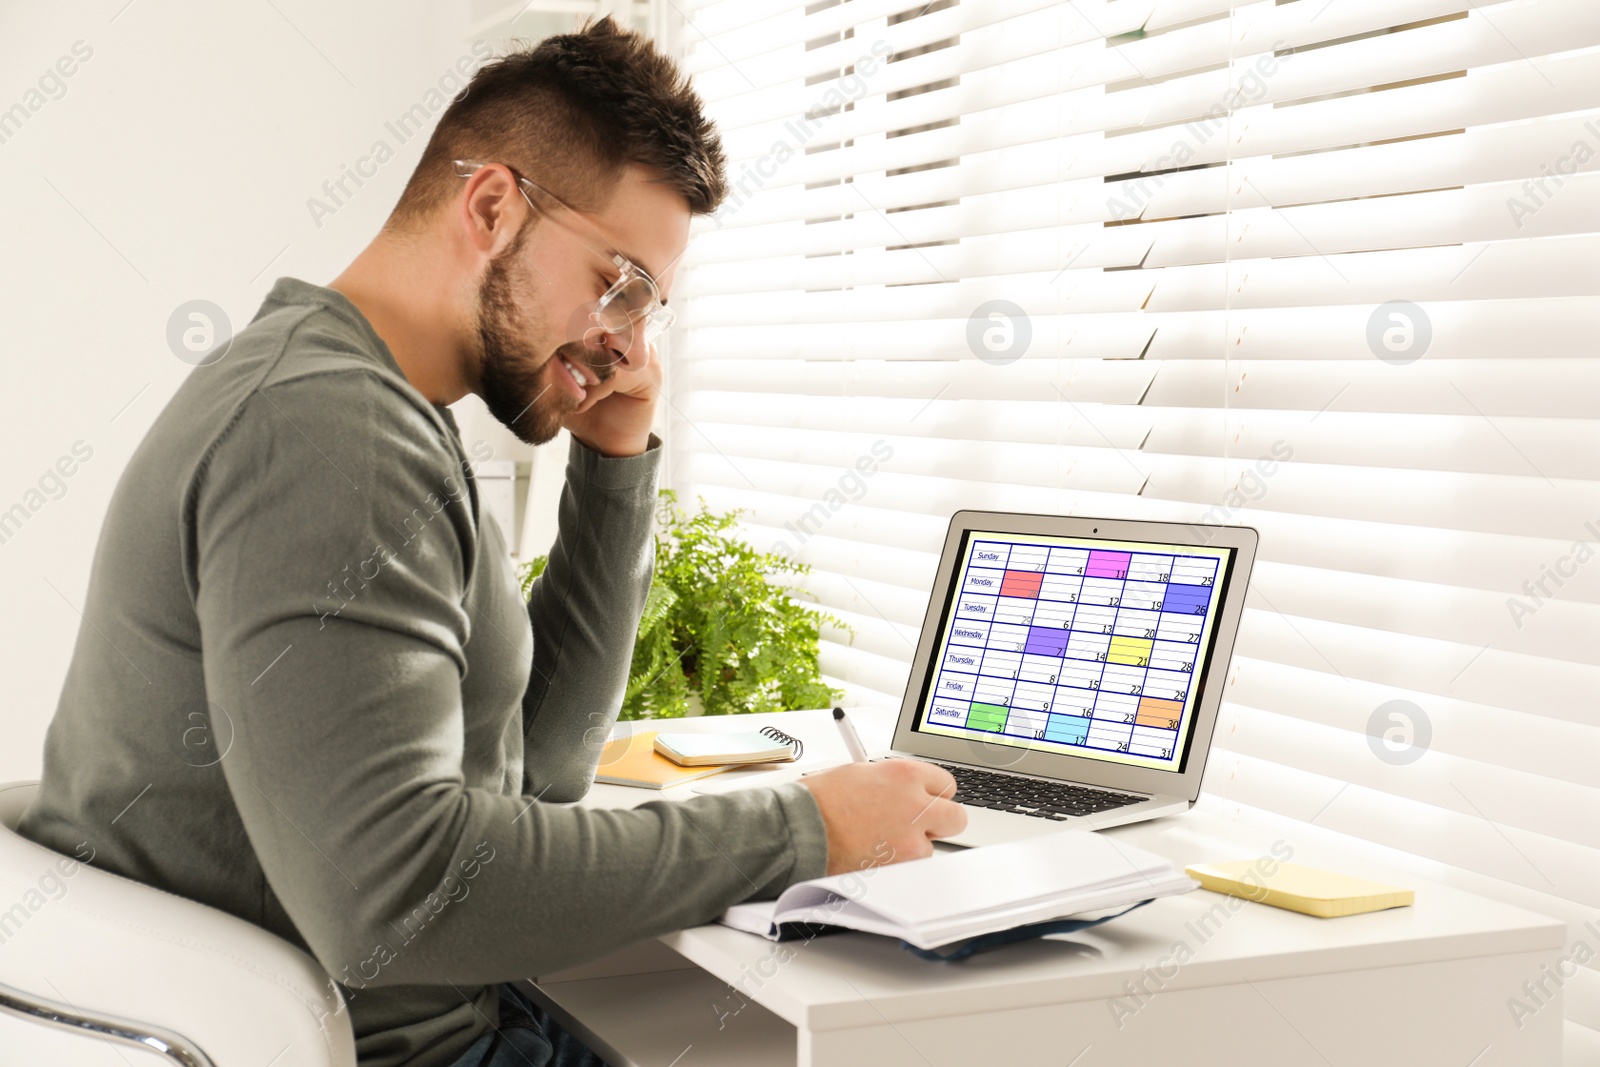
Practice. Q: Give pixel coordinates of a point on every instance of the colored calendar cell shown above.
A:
(1186, 599)
(1067, 731)
(987, 716)
(1108, 565)
(1047, 641)
(1163, 714)
(1022, 583)
(1131, 651)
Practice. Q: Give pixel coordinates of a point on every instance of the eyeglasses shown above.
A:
(633, 300)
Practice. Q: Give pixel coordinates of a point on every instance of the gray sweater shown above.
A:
(307, 692)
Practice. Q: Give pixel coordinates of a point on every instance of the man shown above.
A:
(308, 691)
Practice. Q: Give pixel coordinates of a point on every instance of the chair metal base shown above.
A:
(179, 1049)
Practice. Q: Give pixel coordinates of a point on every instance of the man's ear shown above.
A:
(492, 209)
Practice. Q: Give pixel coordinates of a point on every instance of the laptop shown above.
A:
(1070, 669)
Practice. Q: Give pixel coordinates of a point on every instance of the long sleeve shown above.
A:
(332, 538)
(584, 610)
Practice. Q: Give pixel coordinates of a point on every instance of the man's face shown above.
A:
(536, 295)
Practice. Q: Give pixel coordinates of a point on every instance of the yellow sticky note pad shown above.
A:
(1304, 889)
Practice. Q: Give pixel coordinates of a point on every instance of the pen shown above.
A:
(851, 741)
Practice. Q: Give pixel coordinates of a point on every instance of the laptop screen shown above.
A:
(1079, 645)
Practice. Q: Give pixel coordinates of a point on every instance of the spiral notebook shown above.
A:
(767, 745)
(632, 760)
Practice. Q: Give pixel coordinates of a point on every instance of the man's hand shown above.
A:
(614, 419)
(899, 801)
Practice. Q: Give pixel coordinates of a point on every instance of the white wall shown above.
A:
(175, 165)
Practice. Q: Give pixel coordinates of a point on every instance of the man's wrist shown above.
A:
(618, 447)
(590, 467)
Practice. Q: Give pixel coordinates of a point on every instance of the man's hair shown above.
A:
(569, 113)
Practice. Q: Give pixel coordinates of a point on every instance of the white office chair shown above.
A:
(110, 963)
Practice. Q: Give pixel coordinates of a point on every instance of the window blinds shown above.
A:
(1325, 267)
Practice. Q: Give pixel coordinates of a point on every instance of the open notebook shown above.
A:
(950, 897)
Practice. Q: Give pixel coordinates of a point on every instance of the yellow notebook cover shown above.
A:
(633, 760)
(1304, 889)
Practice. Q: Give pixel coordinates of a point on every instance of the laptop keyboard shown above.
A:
(1031, 796)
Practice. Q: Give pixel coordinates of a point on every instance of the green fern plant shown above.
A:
(720, 622)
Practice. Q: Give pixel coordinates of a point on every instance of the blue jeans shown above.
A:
(528, 1037)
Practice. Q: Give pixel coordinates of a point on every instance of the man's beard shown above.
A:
(516, 385)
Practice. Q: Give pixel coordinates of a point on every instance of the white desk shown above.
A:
(1409, 987)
